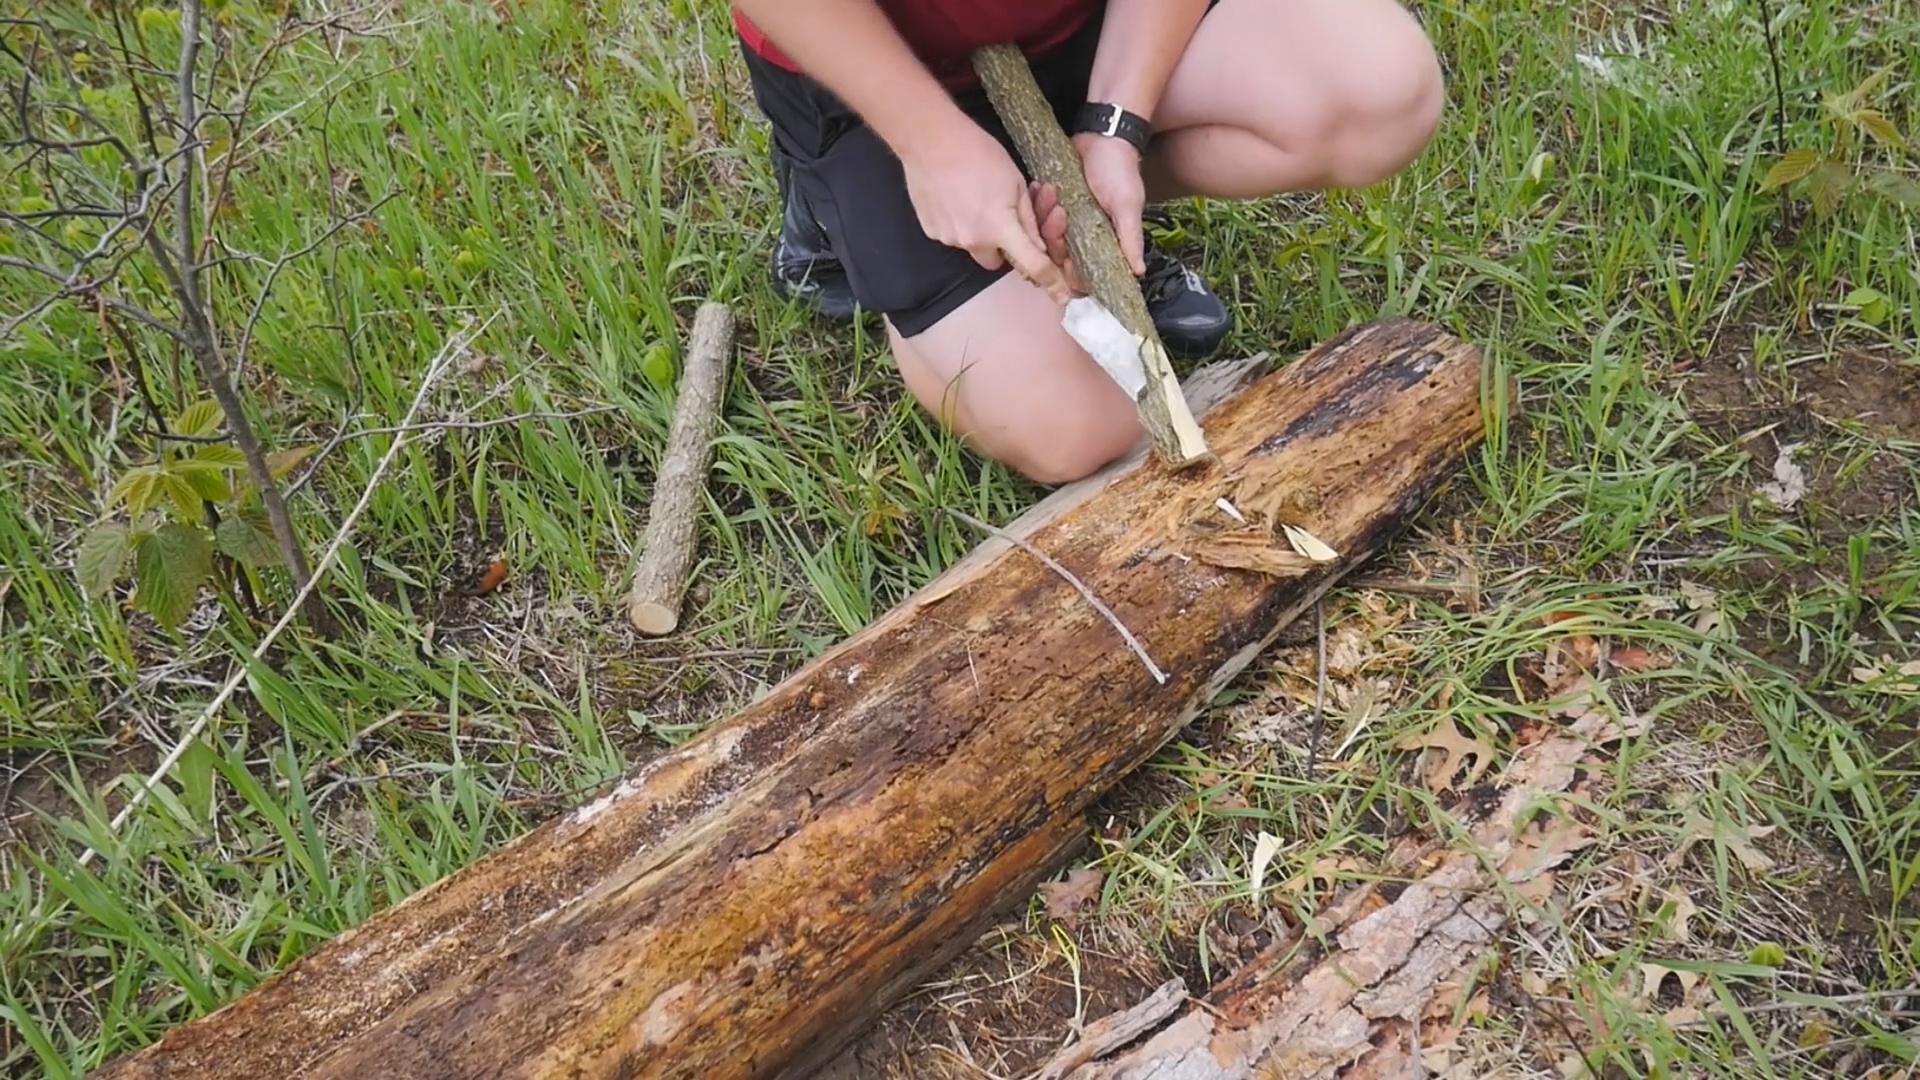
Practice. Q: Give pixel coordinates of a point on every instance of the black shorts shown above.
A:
(858, 191)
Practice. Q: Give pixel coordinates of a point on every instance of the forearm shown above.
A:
(852, 50)
(1140, 44)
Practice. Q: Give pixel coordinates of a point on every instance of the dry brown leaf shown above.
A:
(1653, 976)
(1697, 828)
(1544, 846)
(1705, 604)
(1635, 658)
(1591, 714)
(1327, 871)
(1064, 899)
(1904, 678)
(1447, 750)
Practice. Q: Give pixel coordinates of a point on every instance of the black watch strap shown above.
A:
(1099, 118)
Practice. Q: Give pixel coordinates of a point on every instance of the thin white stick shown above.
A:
(435, 369)
(1132, 642)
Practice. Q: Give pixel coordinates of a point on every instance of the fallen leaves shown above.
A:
(1066, 899)
(1541, 848)
(1705, 605)
(1448, 750)
(1890, 678)
(1789, 483)
(1736, 838)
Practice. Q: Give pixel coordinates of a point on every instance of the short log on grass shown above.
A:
(742, 906)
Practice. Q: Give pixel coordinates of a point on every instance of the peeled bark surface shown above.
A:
(743, 905)
(666, 548)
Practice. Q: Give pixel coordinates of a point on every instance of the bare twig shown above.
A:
(347, 433)
(437, 368)
(189, 105)
(1779, 101)
(1320, 684)
(1066, 575)
(481, 425)
(279, 264)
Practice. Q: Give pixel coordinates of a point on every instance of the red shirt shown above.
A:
(944, 33)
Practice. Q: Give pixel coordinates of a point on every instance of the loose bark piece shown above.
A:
(666, 548)
(1091, 240)
(1348, 998)
(1110, 1033)
(743, 905)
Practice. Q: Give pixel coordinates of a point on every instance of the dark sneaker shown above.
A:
(803, 266)
(1191, 320)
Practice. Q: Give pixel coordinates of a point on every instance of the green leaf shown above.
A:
(210, 486)
(1873, 304)
(248, 539)
(657, 366)
(186, 497)
(1792, 167)
(202, 418)
(216, 456)
(170, 568)
(1876, 124)
(1892, 185)
(282, 462)
(102, 554)
(141, 488)
(1828, 186)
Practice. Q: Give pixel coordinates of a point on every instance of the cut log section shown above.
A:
(666, 548)
(1017, 100)
(743, 905)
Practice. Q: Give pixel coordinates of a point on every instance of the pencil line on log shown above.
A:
(1133, 643)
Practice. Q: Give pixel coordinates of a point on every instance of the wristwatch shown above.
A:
(1100, 118)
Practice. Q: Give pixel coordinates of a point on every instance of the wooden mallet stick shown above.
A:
(666, 551)
(1095, 248)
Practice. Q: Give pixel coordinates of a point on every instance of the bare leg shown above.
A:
(1003, 374)
(1295, 95)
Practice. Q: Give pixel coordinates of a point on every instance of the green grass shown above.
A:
(577, 176)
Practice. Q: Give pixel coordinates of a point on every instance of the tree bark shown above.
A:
(666, 549)
(1016, 97)
(743, 905)
(1385, 957)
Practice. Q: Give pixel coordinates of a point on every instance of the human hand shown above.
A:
(1052, 216)
(1112, 168)
(969, 194)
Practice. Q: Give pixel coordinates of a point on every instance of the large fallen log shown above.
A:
(743, 905)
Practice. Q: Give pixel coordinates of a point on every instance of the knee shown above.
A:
(1071, 450)
(1386, 120)
(1380, 110)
